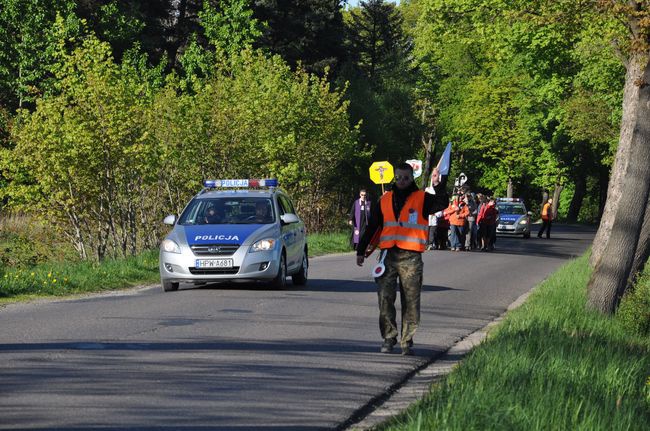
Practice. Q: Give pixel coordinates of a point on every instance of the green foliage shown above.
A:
(634, 311)
(375, 38)
(151, 24)
(27, 47)
(84, 158)
(197, 64)
(230, 29)
(25, 242)
(115, 27)
(119, 146)
(259, 119)
(381, 84)
(526, 92)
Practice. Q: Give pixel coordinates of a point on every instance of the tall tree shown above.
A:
(309, 32)
(617, 240)
(376, 40)
(382, 81)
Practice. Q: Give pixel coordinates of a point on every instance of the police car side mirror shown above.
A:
(289, 218)
(170, 220)
(530, 213)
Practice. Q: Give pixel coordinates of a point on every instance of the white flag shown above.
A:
(445, 161)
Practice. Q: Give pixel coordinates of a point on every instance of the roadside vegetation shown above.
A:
(23, 280)
(551, 364)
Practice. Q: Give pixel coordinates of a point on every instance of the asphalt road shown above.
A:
(245, 357)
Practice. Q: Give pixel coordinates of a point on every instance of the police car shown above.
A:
(235, 230)
(514, 219)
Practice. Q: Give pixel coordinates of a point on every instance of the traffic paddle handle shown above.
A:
(374, 242)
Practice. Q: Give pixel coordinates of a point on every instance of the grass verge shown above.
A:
(551, 365)
(327, 243)
(69, 278)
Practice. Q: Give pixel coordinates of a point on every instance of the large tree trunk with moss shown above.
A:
(615, 259)
(642, 249)
(635, 70)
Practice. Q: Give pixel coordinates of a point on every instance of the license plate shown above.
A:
(214, 263)
(506, 227)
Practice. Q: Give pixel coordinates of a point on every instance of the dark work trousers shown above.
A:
(546, 225)
(442, 236)
(407, 265)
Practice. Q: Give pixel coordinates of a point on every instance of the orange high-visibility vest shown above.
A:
(546, 211)
(411, 231)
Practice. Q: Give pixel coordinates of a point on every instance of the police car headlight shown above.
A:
(263, 245)
(523, 221)
(170, 246)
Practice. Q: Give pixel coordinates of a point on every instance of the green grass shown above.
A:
(551, 365)
(69, 278)
(58, 279)
(327, 243)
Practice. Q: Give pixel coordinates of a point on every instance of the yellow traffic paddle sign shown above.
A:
(381, 172)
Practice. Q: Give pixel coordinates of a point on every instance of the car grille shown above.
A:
(214, 271)
(214, 249)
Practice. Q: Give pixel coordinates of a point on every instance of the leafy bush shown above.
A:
(634, 311)
(24, 242)
(109, 156)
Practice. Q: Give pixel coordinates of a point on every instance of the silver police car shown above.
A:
(235, 230)
(513, 217)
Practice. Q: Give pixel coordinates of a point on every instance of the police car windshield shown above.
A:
(228, 210)
(516, 209)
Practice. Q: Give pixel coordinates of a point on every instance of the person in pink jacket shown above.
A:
(487, 221)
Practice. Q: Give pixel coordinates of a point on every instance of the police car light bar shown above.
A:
(240, 183)
(509, 199)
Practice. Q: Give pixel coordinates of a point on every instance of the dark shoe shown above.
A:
(388, 345)
(539, 236)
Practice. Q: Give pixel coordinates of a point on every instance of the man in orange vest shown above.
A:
(547, 218)
(403, 223)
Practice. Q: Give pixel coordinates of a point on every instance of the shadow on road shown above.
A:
(314, 285)
(302, 346)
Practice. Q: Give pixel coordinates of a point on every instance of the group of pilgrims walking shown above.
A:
(468, 223)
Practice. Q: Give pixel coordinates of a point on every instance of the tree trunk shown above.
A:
(576, 200)
(509, 192)
(556, 197)
(635, 70)
(603, 182)
(428, 163)
(179, 32)
(642, 249)
(614, 262)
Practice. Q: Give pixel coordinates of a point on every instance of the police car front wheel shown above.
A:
(168, 286)
(300, 278)
(280, 280)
